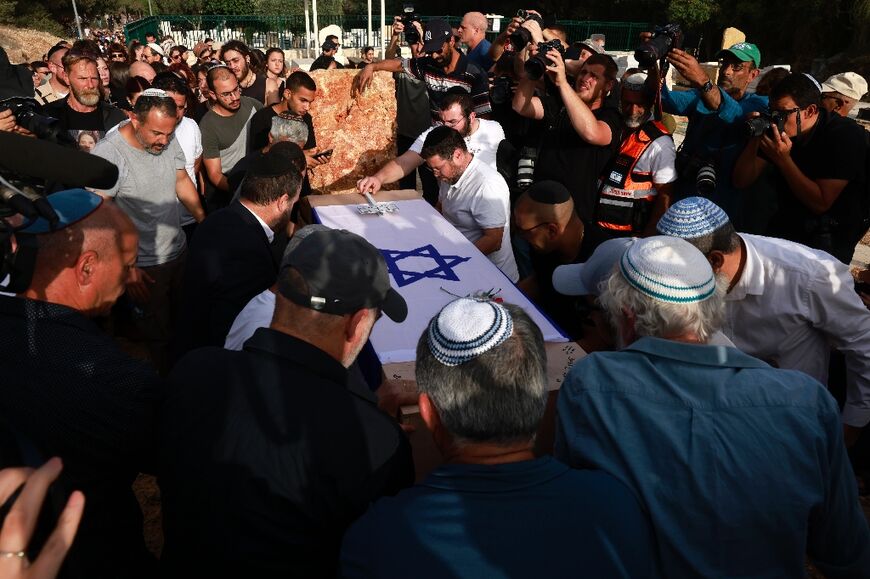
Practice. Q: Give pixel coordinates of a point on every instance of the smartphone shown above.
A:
(326, 153)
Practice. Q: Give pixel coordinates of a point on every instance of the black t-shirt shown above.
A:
(257, 90)
(565, 157)
(96, 122)
(560, 308)
(322, 62)
(467, 77)
(835, 148)
(261, 124)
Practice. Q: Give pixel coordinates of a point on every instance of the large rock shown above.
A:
(361, 131)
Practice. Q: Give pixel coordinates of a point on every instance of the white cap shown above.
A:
(156, 48)
(582, 279)
(848, 84)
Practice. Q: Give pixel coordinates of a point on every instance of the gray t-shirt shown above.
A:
(146, 192)
(227, 137)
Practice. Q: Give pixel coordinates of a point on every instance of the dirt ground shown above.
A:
(24, 45)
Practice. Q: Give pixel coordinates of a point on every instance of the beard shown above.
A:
(151, 149)
(635, 121)
(88, 97)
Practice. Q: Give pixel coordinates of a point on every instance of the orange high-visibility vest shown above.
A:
(625, 196)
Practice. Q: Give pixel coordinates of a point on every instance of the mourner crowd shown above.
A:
(713, 430)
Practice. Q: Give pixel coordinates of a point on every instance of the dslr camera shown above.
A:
(25, 110)
(656, 48)
(536, 65)
(521, 36)
(502, 90)
(409, 16)
(757, 126)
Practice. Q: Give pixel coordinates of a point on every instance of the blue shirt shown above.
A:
(479, 55)
(741, 466)
(714, 135)
(535, 518)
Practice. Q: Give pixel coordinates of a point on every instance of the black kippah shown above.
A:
(548, 192)
(281, 159)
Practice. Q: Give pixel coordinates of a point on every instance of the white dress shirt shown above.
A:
(791, 305)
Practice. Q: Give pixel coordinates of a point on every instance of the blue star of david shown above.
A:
(443, 270)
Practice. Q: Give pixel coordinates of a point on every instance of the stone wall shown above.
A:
(361, 130)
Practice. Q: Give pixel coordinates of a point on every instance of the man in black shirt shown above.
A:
(237, 56)
(326, 60)
(83, 109)
(444, 69)
(544, 217)
(820, 159)
(69, 389)
(269, 453)
(581, 134)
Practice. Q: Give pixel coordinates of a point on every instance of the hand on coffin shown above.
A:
(369, 185)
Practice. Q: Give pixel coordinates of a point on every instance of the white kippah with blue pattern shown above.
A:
(466, 328)
(692, 217)
(668, 269)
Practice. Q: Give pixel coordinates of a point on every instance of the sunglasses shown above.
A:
(118, 55)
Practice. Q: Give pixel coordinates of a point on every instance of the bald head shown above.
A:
(218, 74)
(544, 216)
(472, 29)
(142, 69)
(85, 266)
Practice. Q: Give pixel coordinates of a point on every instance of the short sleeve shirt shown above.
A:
(482, 143)
(565, 157)
(146, 192)
(227, 137)
(660, 160)
(481, 200)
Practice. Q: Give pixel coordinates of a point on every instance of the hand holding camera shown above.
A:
(688, 66)
(776, 145)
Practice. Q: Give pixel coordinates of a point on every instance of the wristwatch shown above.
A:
(708, 86)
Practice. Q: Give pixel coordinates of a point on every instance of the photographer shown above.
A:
(581, 134)
(713, 110)
(820, 160)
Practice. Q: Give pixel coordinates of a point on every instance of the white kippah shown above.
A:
(466, 328)
(692, 217)
(668, 269)
(635, 82)
(154, 92)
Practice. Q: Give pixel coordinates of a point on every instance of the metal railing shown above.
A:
(288, 32)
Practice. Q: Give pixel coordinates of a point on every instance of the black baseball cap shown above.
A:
(329, 45)
(344, 274)
(437, 32)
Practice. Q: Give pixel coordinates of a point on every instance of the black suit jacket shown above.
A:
(230, 261)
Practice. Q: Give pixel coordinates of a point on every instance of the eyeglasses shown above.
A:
(735, 66)
(228, 94)
(118, 55)
(175, 57)
(454, 122)
(522, 231)
(840, 102)
(785, 112)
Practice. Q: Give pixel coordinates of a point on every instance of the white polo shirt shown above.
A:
(481, 200)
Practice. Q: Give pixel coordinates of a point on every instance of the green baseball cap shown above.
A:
(744, 51)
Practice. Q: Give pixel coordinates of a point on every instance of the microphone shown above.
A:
(55, 163)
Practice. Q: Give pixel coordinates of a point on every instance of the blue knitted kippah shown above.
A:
(668, 269)
(692, 217)
(466, 328)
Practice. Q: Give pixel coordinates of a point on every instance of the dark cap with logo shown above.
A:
(344, 274)
(437, 33)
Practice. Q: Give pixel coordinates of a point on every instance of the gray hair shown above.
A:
(659, 319)
(498, 397)
(293, 130)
